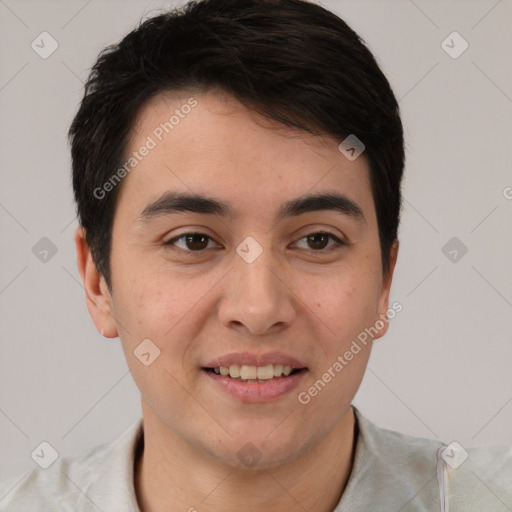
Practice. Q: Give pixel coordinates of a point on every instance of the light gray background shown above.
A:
(444, 368)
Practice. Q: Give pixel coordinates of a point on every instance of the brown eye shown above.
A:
(191, 242)
(319, 242)
(196, 242)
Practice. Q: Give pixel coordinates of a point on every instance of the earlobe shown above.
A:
(393, 256)
(97, 295)
(386, 287)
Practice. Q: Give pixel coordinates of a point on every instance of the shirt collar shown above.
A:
(112, 487)
(389, 471)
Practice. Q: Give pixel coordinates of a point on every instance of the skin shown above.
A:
(196, 306)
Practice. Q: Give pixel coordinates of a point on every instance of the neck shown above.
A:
(170, 475)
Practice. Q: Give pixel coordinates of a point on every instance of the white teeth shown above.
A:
(265, 372)
(247, 372)
(234, 371)
(278, 370)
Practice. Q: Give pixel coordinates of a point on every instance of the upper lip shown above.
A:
(254, 359)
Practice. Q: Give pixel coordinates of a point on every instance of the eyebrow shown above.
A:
(178, 202)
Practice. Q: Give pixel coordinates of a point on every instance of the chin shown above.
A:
(256, 449)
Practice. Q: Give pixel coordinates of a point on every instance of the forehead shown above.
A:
(210, 144)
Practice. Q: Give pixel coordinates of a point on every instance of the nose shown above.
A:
(256, 296)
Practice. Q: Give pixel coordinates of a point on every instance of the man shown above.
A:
(237, 168)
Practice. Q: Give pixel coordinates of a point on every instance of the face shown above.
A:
(250, 279)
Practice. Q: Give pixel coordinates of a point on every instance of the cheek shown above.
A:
(168, 311)
(343, 308)
(152, 302)
(148, 311)
(143, 311)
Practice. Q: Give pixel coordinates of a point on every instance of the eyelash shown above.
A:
(338, 243)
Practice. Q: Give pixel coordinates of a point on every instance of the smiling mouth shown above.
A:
(259, 374)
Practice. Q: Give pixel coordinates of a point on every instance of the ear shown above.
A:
(386, 287)
(98, 298)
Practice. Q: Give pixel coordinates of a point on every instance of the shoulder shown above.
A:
(399, 450)
(395, 471)
(48, 489)
(81, 482)
(391, 471)
(478, 478)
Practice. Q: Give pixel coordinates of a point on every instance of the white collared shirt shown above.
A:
(391, 472)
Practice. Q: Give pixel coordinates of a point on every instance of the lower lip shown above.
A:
(255, 392)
